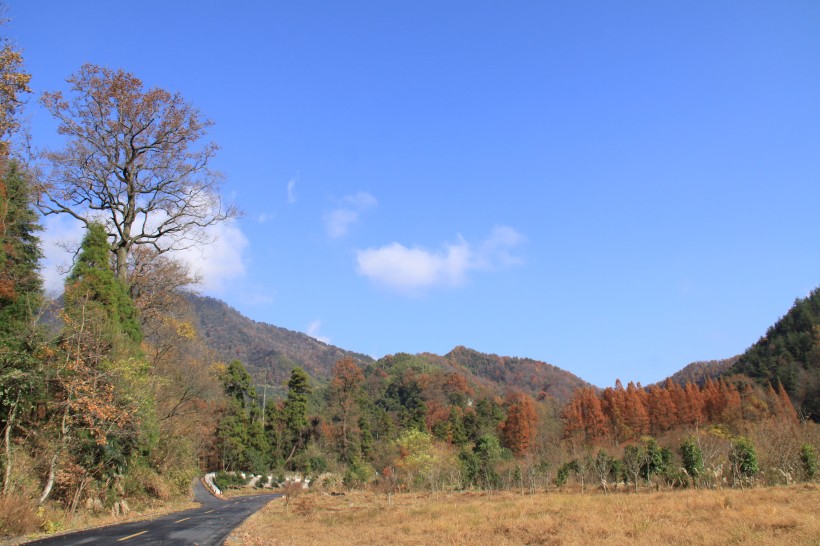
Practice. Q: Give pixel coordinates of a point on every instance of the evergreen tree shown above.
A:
(20, 299)
(20, 283)
(92, 283)
(294, 412)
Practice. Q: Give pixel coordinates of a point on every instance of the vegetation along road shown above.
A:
(206, 525)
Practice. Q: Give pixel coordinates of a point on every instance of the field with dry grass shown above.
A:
(780, 515)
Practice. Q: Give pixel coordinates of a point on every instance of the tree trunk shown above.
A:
(7, 447)
(52, 467)
(122, 263)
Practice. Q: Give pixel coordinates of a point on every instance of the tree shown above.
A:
(344, 390)
(104, 411)
(13, 84)
(520, 426)
(20, 300)
(92, 280)
(294, 411)
(133, 158)
(20, 284)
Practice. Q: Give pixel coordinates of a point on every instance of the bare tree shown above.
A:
(134, 161)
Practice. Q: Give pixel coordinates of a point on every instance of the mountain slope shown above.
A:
(789, 353)
(269, 352)
(532, 376)
(698, 372)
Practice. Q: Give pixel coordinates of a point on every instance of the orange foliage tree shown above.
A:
(518, 430)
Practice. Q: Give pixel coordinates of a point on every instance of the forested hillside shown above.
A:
(532, 376)
(789, 353)
(699, 372)
(269, 352)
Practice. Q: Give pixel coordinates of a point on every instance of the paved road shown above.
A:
(208, 525)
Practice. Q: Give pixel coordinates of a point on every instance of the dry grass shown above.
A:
(787, 515)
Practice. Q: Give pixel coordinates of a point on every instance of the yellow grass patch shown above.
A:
(787, 515)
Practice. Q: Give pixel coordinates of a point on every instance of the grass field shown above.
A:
(787, 515)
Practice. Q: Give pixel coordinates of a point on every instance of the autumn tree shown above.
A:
(13, 86)
(134, 159)
(519, 428)
(344, 391)
(584, 418)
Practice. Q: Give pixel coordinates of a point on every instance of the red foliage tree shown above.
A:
(518, 431)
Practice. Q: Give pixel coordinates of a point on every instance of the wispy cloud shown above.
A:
(313, 331)
(264, 217)
(292, 191)
(339, 220)
(412, 271)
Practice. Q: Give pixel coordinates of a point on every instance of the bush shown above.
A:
(17, 516)
(809, 459)
(229, 480)
(358, 474)
(141, 481)
(743, 459)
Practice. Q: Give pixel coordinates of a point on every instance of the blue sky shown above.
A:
(616, 188)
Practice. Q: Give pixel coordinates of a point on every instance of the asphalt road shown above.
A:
(208, 525)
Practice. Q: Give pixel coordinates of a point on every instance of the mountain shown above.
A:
(269, 352)
(789, 353)
(698, 372)
(532, 376)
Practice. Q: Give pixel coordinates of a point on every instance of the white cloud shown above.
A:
(218, 262)
(264, 217)
(313, 331)
(339, 221)
(61, 236)
(414, 270)
(292, 191)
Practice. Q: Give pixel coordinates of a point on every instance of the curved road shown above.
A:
(209, 524)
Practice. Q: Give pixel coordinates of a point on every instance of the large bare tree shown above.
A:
(135, 160)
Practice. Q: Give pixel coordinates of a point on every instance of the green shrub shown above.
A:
(743, 459)
(229, 480)
(809, 459)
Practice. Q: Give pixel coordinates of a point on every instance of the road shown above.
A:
(207, 525)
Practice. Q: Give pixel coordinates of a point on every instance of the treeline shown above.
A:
(402, 422)
(617, 415)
